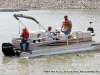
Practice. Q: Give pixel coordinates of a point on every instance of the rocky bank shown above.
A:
(50, 4)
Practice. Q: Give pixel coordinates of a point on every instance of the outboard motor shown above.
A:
(8, 50)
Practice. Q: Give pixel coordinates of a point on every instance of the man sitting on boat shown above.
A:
(48, 33)
(66, 26)
(25, 36)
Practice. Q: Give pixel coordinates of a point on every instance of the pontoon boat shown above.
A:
(40, 44)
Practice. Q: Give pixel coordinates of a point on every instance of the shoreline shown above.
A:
(18, 9)
(11, 10)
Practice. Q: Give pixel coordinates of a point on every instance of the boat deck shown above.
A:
(50, 50)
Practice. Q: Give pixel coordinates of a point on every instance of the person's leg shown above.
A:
(21, 44)
(27, 44)
(54, 38)
(67, 32)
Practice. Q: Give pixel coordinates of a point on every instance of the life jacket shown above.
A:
(66, 24)
(25, 33)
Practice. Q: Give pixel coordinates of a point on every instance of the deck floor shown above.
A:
(58, 49)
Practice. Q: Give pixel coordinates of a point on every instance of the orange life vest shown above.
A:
(66, 24)
(25, 34)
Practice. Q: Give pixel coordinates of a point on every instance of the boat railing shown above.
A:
(79, 36)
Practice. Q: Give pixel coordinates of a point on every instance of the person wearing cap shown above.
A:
(66, 26)
(25, 36)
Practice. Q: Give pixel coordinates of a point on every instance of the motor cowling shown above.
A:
(8, 50)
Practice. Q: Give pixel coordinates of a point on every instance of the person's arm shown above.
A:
(61, 27)
(28, 34)
(21, 35)
(70, 26)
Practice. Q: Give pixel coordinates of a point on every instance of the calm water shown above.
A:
(88, 63)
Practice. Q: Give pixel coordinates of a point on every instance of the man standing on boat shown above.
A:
(25, 36)
(66, 26)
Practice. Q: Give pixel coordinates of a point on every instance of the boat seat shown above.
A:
(43, 34)
(37, 34)
(76, 36)
(32, 35)
(82, 35)
(16, 43)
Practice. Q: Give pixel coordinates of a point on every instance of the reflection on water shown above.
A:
(85, 61)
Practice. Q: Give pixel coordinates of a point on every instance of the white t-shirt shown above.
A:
(48, 34)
